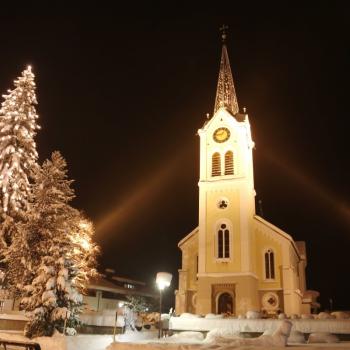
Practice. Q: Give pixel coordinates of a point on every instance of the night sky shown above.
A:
(123, 92)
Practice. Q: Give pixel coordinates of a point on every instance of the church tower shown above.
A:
(226, 187)
(235, 260)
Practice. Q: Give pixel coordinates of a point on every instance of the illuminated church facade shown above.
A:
(235, 260)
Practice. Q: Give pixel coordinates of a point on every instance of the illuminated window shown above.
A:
(229, 163)
(269, 265)
(129, 286)
(223, 242)
(216, 164)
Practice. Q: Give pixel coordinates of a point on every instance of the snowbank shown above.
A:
(60, 342)
(57, 342)
(260, 325)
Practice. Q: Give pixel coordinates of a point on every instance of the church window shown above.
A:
(229, 163)
(269, 264)
(216, 164)
(223, 242)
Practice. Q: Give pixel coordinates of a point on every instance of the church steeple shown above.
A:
(225, 92)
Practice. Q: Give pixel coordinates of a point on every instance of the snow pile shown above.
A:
(294, 317)
(322, 337)
(87, 342)
(333, 326)
(325, 316)
(296, 337)
(213, 316)
(56, 342)
(306, 316)
(185, 337)
(340, 315)
(134, 336)
(253, 315)
(220, 333)
(188, 315)
(278, 338)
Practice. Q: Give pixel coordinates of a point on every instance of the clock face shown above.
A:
(221, 134)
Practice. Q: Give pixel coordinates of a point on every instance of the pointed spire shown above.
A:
(225, 92)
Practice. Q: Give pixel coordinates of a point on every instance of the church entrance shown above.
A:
(225, 304)
(223, 298)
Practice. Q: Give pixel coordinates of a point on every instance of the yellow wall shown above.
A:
(214, 215)
(263, 242)
(189, 261)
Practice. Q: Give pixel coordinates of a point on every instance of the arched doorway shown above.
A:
(225, 303)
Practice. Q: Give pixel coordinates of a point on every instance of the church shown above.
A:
(235, 260)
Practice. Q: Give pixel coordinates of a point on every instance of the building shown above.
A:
(235, 260)
(103, 293)
(107, 291)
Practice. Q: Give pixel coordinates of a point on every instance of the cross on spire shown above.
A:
(225, 92)
(223, 32)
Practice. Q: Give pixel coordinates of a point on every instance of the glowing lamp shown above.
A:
(163, 280)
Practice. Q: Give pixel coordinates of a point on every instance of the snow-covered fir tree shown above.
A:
(62, 255)
(18, 159)
(18, 154)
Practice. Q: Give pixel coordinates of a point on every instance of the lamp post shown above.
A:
(163, 280)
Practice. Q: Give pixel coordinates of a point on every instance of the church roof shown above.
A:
(225, 92)
(192, 233)
(283, 234)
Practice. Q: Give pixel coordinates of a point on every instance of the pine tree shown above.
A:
(18, 155)
(62, 254)
(18, 159)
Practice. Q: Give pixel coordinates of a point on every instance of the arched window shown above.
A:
(223, 242)
(216, 164)
(229, 163)
(269, 265)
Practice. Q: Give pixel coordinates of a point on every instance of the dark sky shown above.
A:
(123, 91)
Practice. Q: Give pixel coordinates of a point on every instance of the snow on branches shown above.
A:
(18, 154)
(46, 245)
(62, 252)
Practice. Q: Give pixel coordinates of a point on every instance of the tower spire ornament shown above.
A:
(225, 92)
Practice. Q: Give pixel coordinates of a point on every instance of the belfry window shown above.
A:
(216, 164)
(229, 163)
(269, 265)
(223, 242)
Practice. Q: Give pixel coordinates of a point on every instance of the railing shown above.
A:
(27, 345)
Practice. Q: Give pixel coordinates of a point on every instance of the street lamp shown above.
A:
(163, 280)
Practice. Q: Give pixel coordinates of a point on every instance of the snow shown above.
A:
(56, 342)
(336, 326)
(296, 337)
(323, 337)
(101, 319)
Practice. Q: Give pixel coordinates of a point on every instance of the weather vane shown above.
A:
(223, 29)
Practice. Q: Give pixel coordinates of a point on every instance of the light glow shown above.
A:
(163, 280)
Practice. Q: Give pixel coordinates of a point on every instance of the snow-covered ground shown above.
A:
(60, 342)
(147, 340)
(258, 325)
